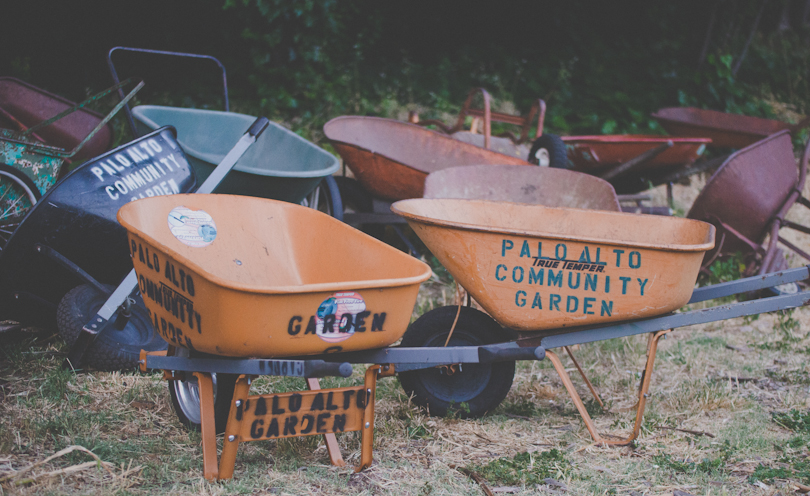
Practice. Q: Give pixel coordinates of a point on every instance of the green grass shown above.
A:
(524, 469)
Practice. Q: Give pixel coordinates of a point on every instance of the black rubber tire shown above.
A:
(554, 147)
(10, 214)
(185, 397)
(113, 349)
(326, 198)
(481, 387)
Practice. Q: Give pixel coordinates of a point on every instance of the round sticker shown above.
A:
(335, 318)
(192, 227)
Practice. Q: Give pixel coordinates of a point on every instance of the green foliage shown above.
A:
(709, 466)
(794, 420)
(525, 469)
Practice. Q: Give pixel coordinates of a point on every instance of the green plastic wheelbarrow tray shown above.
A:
(281, 165)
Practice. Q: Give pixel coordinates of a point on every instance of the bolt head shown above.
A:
(368, 424)
(238, 403)
(231, 438)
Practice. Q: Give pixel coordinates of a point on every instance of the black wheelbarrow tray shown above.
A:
(72, 233)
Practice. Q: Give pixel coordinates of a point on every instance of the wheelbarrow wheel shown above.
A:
(326, 198)
(18, 194)
(549, 151)
(470, 391)
(115, 348)
(185, 396)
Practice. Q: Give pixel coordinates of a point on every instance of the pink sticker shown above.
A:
(336, 316)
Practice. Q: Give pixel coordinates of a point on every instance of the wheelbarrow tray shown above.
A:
(518, 184)
(594, 153)
(281, 165)
(273, 279)
(391, 159)
(536, 268)
(31, 105)
(77, 219)
(748, 190)
(725, 130)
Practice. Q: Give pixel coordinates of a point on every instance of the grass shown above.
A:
(730, 380)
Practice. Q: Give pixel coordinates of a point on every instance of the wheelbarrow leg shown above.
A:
(331, 441)
(585, 378)
(642, 394)
(233, 428)
(208, 426)
(367, 443)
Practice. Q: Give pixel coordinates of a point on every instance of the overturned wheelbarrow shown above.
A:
(71, 239)
(748, 198)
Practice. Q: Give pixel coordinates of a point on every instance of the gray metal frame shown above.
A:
(406, 359)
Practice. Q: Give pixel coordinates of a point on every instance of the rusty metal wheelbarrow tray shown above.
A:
(23, 103)
(391, 158)
(749, 196)
(518, 184)
(724, 129)
(536, 268)
(253, 278)
(595, 153)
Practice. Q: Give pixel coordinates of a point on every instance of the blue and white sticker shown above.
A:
(194, 228)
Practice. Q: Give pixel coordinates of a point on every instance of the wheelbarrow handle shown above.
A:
(114, 75)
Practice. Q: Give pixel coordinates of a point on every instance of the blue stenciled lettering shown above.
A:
(585, 256)
(554, 301)
(557, 251)
(498, 271)
(515, 272)
(555, 279)
(587, 303)
(618, 257)
(571, 299)
(570, 285)
(642, 284)
(537, 303)
(625, 280)
(524, 251)
(637, 263)
(607, 308)
(506, 245)
(520, 299)
(535, 277)
(590, 282)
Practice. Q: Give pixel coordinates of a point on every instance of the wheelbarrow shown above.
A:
(554, 277)
(390, 161)
(97, 314)
(748, 198)
(628, 161)
(281, 165)
(261, 286)
(725, 130)
(23, 105)
(68, 252)
(29, 168)
(519, 184)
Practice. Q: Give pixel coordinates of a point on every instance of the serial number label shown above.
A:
(304, 413)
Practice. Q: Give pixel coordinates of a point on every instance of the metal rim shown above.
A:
(13, 209)
(464, 384)
(188, 392)
(543, 157)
